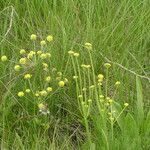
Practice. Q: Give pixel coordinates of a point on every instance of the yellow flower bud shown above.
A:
(39, 52)
(22, 51)
(43, 56)
(43, 43)
(43, 93)
(17, 67)
(20, 94)
(49, 89)
(126, 104)
(61, 83)
(49, 38)
(117, 83)
(4, 58)
(33, 37)
(27, 76)
(23, 61)
(28, 91)
(48, 79)
(88, 46)
(107, 65)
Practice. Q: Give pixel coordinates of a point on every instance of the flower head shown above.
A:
(43, 56)
(23, 61)
(20, 94)
(22, 51)
(43, 43)
(33, 37)
(27, 76)
(49, 89)
(49, 38)
(4, 58)
(43, 93)
(48, 79)
(126, 104)
(117, 83)
(107, 65)
(61, 83)
(27, 90)
(17, 67)
(88, 46)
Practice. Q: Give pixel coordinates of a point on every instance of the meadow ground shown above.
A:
(75, 74)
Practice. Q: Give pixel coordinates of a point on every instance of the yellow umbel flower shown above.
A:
(48, 55)
(49, 38)
(43, 43)
(20, 94)
(71, 52)
(41, 106)
(117, 83)
(76, 54)
(61, 83)
(45, 65)
(88, 46)
(43, 93)
(23, 61)
(27, 90)
(49, 89)
(17, 67)
(27, 76)
(4, 58)
(126, 104)
(48, 79)
(33, 37)
(43, 56)
(107, 65)
(22, 51)
(39, 52)
(37, 93)
(100, 78)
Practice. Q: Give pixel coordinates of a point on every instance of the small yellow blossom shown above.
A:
(33, 37)
(88, 46)
(22, 51)
(71, 52)
(27, 76)
(43, 56)
(20, 94)
(17, 67)
(4, 58)
(49, 89)
(107, 65)
(45, 65)
(48, 55)
(117, 83)
(39, 52)
(48, 79)
(49, 38)
(27, 90)
(37, 93)
(76, 54)
(100, 78)
(126, 104)
(23, 61)
(61, 83)
(59, 74)
(43, 43)
(43, 93)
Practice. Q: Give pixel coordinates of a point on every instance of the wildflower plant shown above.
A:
(92, 92)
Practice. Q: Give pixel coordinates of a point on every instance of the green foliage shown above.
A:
(101, 119)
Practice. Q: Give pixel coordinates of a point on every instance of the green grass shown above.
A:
(119, 31)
